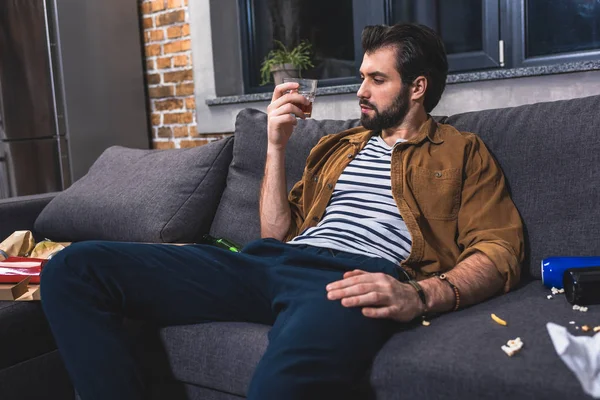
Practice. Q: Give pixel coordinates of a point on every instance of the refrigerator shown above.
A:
(71, 85)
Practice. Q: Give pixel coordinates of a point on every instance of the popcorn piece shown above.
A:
(549, 297)
(509, 352)
(585, 328)
(498, 320)
(426, 323)
(512, 347)
(583, 309)
(576, 307)
(596, 328)
(556, 291)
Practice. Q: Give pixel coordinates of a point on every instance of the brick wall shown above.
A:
(169, 75)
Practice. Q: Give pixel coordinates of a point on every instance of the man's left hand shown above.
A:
(380, 295)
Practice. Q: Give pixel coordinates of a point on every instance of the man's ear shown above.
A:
(418, 89)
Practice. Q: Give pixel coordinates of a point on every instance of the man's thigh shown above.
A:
(164, 283)
(318, 348)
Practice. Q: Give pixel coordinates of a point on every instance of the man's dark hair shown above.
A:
(419, 50)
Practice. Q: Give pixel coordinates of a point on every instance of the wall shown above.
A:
(170, 75)
(457, 98)
(483, 95)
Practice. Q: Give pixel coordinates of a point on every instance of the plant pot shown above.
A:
(284, 71)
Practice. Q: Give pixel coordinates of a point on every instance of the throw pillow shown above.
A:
(141, 196)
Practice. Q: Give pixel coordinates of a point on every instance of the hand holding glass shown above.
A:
(308, 89)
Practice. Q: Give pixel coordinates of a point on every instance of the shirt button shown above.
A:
(438, 174)
(316, 178)
(349, 155)
(330, 186)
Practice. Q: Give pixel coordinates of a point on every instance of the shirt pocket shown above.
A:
(437, 192)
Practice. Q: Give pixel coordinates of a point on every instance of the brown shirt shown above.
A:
(449, 190)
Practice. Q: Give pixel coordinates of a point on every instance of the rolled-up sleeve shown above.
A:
(488, 221)
(295, 200)
(297, 197)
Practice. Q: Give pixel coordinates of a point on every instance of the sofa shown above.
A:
(549, 152)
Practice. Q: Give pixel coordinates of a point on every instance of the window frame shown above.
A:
(489, 56)
(514, 25)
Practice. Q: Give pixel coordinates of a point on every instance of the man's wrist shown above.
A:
(440, 296)
(275, 151)
(276, 148)
(422, 298)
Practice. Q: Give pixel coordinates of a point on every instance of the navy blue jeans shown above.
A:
(317, 349)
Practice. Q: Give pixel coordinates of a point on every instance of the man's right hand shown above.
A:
(282, 113)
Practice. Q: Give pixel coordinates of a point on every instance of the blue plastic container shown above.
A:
(553, 268)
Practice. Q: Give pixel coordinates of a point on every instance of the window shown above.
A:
(469, 28)
(551, 31)
(327, 24)
(555, 26)
(459, 22)
(478, 34)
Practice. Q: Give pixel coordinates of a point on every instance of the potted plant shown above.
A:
(283, 63)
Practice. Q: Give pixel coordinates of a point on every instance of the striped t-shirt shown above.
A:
(362, 216)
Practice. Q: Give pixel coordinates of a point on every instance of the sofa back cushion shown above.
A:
(550, 155)
(237, 217)
(142, 195)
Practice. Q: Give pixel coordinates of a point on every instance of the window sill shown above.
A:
(452, 79)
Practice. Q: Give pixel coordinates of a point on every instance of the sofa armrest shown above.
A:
(20, 213)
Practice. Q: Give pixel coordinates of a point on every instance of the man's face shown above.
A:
(384, 100)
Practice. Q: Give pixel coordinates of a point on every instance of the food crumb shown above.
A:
(585, 328)
(426, 323)
(498, 320)
(572, 322)
(512, 347)
(549, 297)
(596, 328)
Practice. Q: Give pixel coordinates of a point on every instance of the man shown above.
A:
(391, 221)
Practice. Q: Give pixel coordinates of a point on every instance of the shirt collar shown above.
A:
(427, 131)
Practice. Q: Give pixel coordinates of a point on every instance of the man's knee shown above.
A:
(69, 262)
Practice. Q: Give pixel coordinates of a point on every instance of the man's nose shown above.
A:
(362, 91)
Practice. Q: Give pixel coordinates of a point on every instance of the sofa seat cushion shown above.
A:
(141, 196)
(24, 332)
(215, 355)
(41, 378)
(457, 356)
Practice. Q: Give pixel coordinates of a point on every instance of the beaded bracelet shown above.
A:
(455, 289)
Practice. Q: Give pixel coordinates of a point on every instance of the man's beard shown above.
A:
(389, 118)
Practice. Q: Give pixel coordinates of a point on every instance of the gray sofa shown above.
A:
(550, 153)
